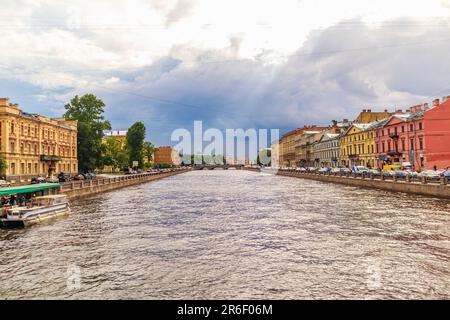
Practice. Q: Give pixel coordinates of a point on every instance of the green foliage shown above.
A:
(88, 111)
(135, 143)
(3, 166)
(149, 149)
(265, 155)
(114, 155)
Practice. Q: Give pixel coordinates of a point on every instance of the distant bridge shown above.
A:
(217, 166)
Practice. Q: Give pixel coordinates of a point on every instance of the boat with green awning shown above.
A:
(24, 206)
(33, 188)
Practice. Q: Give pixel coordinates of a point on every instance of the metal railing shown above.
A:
(80, 184)
(372, 176)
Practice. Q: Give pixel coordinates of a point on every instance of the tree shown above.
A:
(88, 111)
(135, 143)
(265, 154)
(3, 166)
(149, 149)
(114, 155)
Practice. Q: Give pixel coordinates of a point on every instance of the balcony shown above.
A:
(394, 153)
(393, 135)
(45, 157)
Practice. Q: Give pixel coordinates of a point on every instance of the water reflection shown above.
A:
(235, 234)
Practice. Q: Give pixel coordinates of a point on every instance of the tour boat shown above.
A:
(40, 209)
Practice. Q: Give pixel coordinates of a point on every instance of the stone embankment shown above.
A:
(80, 189)
(423, 186)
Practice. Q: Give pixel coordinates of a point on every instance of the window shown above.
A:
(411, 127)
(403, 128)
(403, 145)
(12, 147)
(389, 132)
(420, 126)
(412, 144)
(35, 168)
(421, 143)
(383, 147)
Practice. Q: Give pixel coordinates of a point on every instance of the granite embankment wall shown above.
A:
(438, 189)
(80, 189)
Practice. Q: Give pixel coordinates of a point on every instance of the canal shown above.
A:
(234, 234)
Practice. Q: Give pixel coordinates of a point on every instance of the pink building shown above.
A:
(421, 137)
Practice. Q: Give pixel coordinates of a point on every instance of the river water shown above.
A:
(234, 234)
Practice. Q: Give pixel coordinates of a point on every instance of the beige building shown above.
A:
(32, 144)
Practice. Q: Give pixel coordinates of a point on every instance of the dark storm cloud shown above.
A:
(337, 72)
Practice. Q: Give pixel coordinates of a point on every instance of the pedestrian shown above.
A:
(435, 168)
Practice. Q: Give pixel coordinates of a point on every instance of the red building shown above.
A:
(421, 137)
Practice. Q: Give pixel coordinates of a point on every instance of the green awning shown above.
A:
(28, 189)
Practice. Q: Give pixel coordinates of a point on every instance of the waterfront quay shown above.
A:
(80, 189)
(414, 185)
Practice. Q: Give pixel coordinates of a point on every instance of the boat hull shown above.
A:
(23, 223)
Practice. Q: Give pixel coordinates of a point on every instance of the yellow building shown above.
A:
(32, 144)
(357, 144)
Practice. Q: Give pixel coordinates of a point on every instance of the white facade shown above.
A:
(326, 151)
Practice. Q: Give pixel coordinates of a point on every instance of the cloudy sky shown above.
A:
(232, 64)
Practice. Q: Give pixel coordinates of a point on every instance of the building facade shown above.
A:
(420, 137)
(275, 155)
(166, 155)
(327, 151)
(33, 144)
(287, 148)
(357, 146)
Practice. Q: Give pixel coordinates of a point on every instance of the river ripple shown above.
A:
(235, 234)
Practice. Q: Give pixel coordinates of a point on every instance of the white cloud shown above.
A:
(288, 62)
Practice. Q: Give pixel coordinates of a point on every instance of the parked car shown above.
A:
(396, 173)
(301, 169)
(446, 174)
(324, 170)
(311, 169)
(431, 174)
(64, 177)
(360, 169)
(345, 170)
(4, 183)
(89, 175)
(79, 177)
(335, 170)
(374, 172)
(38, 179)
(52, 180)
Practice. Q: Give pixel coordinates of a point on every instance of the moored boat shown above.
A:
(40, 209)
(28, 205)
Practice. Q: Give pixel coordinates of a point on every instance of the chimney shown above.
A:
(386, 110)
(345, 120)
(364, 110)
(334, 123)
(399, 111)
(435, 102)
(369, 110)
(425, 107)
(4, 102)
